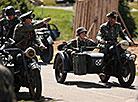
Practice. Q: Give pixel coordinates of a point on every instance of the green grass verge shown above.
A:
(134, 5)
(136, 73)
(50, 2)
(62, 18)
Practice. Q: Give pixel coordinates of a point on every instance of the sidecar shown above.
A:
(79, 63)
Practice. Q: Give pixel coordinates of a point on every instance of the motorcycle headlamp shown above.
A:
(30, 52)
(46, 34)
(124, 44)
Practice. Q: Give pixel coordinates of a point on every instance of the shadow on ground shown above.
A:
(82, 84)
(25, 97)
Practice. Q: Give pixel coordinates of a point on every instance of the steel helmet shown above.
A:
(80, 30)
(10, 10)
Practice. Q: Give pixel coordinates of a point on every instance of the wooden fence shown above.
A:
(91, 14)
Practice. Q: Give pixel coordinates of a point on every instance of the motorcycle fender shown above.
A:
(65, 59)
(50, 40)
(131, 57)
(34, 65)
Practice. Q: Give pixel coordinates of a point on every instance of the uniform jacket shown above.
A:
(109, 33)
(77, 43)
(25, 36)
(9, 26)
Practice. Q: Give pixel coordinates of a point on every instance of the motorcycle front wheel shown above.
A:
(127, 74)
(59, 71)
(35, 86)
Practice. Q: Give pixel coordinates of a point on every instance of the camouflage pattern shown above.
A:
(77, 43)
(8, 26)
(6, 85)
(25, 36)
(109, 33)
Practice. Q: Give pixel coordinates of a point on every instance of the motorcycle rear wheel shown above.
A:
(35, 87)
(59, 71)
(127, 74)
(104, 78)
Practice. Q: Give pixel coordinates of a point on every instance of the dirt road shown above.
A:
(87, 88)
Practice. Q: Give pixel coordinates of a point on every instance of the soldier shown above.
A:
(82, 39)
(6, 85)
(24, 34)
(9, 22)
(110, 30)
(18, 13)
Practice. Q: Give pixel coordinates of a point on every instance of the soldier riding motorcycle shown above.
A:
(23, 66)
(25, 35)
(8, 24)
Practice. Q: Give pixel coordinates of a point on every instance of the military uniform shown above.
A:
(78, 43)
(8, 25)
(24, 34)
(111, 33)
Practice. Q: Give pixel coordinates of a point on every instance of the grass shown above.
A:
(135, 16)
(134, 5)
(61, 18)
(50, 2)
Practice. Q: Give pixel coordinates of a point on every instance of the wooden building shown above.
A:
(91, 14)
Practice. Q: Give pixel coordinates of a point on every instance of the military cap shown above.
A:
(112, 14)
(18, 12)
(27, 15)
(80, 30)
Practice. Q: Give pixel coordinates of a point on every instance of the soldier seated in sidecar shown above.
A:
(73, 55)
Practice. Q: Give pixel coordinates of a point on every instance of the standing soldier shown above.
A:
(24, 34)
(8, 23)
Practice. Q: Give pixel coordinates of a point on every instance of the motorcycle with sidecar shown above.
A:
(23, 66)
(117, 61)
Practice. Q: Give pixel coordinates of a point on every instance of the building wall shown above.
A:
(92, 13)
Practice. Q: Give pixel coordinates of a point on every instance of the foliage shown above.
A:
(49, 2)
(133, 5)
(61, 18)
(124, 10)
(22, 5)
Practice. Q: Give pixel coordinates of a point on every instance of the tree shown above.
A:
(126, 15)
(22, 5)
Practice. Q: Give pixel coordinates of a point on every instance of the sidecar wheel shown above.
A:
(35, 87)
(104, 78)
(127, 74)
(59, 71)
